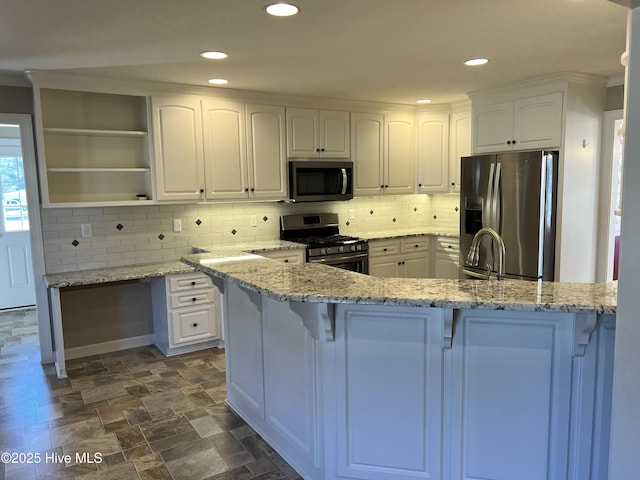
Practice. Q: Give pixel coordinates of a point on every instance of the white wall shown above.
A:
(624, 462)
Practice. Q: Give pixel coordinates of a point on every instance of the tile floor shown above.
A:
(127, 415)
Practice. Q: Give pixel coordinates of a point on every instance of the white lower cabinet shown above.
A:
(186, 311)
(446, 260)
(380, 392)
(388, 423)
(405, 258)
(511, 395)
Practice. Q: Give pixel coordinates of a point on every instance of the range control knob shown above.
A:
(329, 251)
(341, 249)
(323, 251)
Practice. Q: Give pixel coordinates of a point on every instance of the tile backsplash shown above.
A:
(144, 234)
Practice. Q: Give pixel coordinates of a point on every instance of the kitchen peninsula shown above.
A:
(349, 376)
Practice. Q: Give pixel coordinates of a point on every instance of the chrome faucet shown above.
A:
(474, 251)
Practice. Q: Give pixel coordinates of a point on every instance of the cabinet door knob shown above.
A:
(513, 141)
(417, 246)
(386, 186)
(202, 190)
(419, 184)
(317, 149)
(246, 189)
(195, 325)
(194, 299)
(508, 142)
(286, 260)
(193, 284)
(453, 184)
(252, 189)
(384, 249)
(322, 149)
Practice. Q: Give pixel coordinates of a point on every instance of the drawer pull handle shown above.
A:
(194, 299)
(193, 284)
(195, 325)
(417, 246)
(384, 249)
(286, 260)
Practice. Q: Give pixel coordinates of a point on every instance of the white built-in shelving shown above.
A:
(93, 148)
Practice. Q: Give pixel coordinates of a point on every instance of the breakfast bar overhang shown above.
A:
(353, 377)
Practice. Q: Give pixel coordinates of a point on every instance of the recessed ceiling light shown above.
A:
(218, 81)
(424, 100)
(213, 55)
(281, 9)
(476, 61)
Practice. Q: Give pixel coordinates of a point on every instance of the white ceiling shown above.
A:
(375, 50)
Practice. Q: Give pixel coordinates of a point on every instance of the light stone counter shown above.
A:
(324, 284)
(252, 247)
(313, 353)
(405, 232)
(114, 274)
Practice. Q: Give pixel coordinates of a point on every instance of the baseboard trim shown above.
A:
(107, 347)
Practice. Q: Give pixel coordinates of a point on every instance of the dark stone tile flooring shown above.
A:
(133, 414)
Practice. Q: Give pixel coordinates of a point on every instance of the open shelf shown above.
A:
(95, 148)
(95, 133)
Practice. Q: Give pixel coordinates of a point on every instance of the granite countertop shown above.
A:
(115, 274)
(405, 232)
(320, 283)
(149, 270)
(252, 247)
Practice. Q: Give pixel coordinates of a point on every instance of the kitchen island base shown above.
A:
(353, 391)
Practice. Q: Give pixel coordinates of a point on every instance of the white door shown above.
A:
(16, 272)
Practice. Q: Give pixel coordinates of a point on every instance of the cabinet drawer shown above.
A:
(195, 297)
(286, 256)
(451, 245)
(193, 325)
(415, 245)
(189, 281)
(384, 248)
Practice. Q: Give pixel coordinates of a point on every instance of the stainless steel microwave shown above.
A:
(320, 180)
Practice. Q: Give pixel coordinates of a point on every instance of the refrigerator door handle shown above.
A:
(488, 208)
(495, 213)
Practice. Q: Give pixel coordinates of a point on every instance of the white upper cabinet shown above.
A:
(383, 153)
(317, 133)
(537, 122)
(225, 149)
(519, 124)
(367, 152)
(266, 156)
(399, 153)
(178, 149)
(459, 144)
(214, 149)
(433, 152)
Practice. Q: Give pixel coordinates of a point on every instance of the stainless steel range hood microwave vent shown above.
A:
(320, 180)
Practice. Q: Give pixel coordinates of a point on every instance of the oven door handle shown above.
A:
(344, 181)
(341, 258)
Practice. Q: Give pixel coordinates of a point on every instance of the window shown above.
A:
(15, 215)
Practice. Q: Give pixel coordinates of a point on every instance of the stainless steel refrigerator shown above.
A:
(515, 194)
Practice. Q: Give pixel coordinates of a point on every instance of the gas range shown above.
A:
(320, 232)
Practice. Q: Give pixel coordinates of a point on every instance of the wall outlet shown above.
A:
(86, 230)
(253, 221)
(177, 225)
